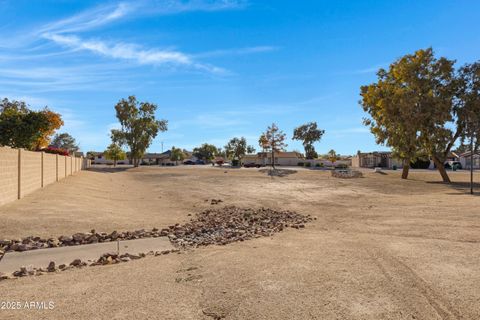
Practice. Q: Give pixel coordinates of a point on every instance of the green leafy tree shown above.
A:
(138, 126)
(412, 107)
(114, 152)
(236, 148)
(274, 139)
(308, 134)
(176, 155)
(332, 156)
(469, 105)
(65, 141)
(21, 127)
(206, 152)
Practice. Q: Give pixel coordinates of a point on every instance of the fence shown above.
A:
(22, 172)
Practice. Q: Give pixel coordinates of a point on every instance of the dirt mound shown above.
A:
(229, 224)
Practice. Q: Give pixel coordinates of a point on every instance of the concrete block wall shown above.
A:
(49, 168)
(30, 172)
(61, 171)
(8, 175)
(22, 172)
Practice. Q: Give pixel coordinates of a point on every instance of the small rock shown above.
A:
(76, 263)
(51, 266)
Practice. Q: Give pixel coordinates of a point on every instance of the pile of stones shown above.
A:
(346, 174)
(230, 224)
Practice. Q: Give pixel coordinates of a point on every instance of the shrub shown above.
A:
(235, 163)
(300, 164)
(317, 165)
(341, 166)
(54, 150)
(308, 164)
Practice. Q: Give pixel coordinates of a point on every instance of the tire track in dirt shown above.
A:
(404, 279)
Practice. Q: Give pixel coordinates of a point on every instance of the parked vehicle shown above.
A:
(199, 162)
(189, 162)
(454, 165)
(251, 165)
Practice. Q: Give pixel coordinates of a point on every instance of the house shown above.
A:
(465, 160)
(383, 159)
(99, 158)
(282, 158)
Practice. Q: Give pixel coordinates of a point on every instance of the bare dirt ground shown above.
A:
(381, 248)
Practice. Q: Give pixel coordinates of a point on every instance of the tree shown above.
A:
(54, 121)
(274, 141)
(138, 126)
(263, 143)
(21, 127)
(206, 152)
(469, 109)
(65, 141)
(114, 152)
(332, 156)
(308, 134)
(176, 155)
(412, 108)
(236, 148)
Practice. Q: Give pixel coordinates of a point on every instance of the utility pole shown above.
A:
(471, 164)
(162, 146)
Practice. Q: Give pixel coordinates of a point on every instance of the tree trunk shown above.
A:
(441, 168)
(114, 163)
(406, 168)
(273, 159)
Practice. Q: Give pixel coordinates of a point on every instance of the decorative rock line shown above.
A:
(105, 259)
(213, 226)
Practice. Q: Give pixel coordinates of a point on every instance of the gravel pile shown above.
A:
(230, 224)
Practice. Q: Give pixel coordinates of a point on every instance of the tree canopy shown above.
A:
(177, 154)
(114, 152)
(138, 126)
(65, 141)
(21, 127)
(309, 134)
(274, 141)
(206, 152)
(236, 148)
(413, 109)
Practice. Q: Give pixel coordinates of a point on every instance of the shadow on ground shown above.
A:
(278, 172)
(109, 169)
(460, 186)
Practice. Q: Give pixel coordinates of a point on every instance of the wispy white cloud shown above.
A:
(237, 51)
(89, 19)
(105, 14)
(132, 52)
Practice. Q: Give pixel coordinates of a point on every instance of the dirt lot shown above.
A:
(381, 248)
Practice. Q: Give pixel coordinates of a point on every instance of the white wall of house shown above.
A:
(465, 161)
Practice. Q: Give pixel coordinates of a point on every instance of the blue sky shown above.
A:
(219, 69)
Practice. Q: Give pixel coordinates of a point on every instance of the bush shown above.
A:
(317, 165)
(300, 164)
(53, 150)
(341, 166)
(308, 164)
(235, 163)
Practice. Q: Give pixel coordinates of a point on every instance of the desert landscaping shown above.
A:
(377, 247)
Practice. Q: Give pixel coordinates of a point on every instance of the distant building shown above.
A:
(465, 160)
(382, 159)
(282, 158)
